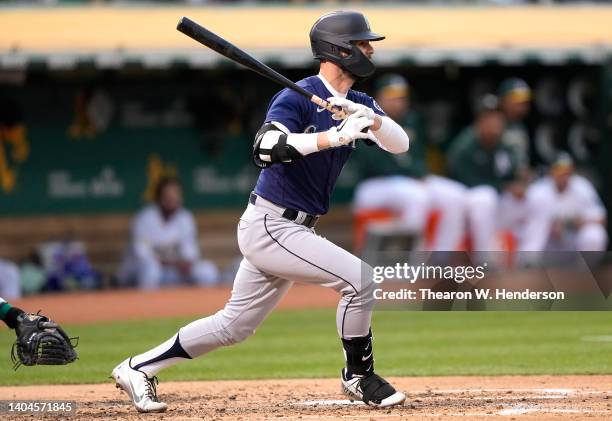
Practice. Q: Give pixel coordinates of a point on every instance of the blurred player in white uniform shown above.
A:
(564, 212)
(164, 247)
(10, 286)
(402, 182)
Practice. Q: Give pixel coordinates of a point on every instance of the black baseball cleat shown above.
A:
(371, 389)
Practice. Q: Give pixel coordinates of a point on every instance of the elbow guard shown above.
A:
(271, 147)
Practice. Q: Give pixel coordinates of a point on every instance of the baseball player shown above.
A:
(402, 182)
(164, 247)
(301, 149)
(515, 100)
(40, 341)
(564, 212)
(478, 159)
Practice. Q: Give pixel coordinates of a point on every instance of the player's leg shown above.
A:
(539, 217)
(290, 251)
(405, 196)
(204, 272)
(149, 273)
(481, 209)
(254, 295)
(448, 197)
(591, 237)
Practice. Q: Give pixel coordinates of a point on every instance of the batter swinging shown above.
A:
(301, 150)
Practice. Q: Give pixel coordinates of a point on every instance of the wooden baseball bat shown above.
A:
(227, 49)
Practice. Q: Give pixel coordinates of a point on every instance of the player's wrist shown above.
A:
(334, 138)
(378, 121)
(10, 315)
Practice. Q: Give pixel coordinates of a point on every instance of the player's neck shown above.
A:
(337, 78)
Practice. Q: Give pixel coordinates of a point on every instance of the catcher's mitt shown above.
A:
(41, 341)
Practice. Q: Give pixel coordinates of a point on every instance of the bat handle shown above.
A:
(337, 111)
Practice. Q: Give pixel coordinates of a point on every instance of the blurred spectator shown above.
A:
(513, 213)
(33, 276)
(67, 266)
(164, 248)
(401, 182)
(10, 287)
(564, 212)
(515, 102)
(478, 159)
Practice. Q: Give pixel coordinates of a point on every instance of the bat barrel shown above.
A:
(216, 43)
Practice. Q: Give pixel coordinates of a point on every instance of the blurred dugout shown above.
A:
(91, 119)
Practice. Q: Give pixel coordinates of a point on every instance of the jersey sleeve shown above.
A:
(288, 108)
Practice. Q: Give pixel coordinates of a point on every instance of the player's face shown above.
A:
(366, 48)
(561, 176)
(171, 198)
(515, 110)
(490, 127)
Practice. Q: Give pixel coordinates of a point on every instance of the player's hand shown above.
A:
(41, 341)
(351, 107)
(350, 130)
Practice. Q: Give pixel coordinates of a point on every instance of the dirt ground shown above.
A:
(440, 398)
(102, 306)
(431, 398)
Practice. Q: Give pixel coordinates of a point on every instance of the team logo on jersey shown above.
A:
(311, 129)
(377, 106)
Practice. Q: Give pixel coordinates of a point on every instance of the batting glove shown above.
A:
(351, 129)
(351, 107)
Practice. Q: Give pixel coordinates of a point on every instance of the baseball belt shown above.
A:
(299, 217)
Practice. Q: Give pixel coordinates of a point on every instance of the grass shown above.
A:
(293, 344)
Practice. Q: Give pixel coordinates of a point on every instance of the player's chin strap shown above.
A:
(359, 355)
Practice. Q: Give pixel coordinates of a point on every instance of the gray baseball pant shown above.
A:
(277, 252)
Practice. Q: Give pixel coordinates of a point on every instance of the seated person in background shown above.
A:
(164, 248)
(515, 101)
(478, 159)
(564, 212)
(402, 182)
(10, 287)
(66, 265)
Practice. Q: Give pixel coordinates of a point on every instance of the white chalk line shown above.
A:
(501, 390)
(520, 410)
(346, 402)
(503, 412)
(330, 402)
(535, 393)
